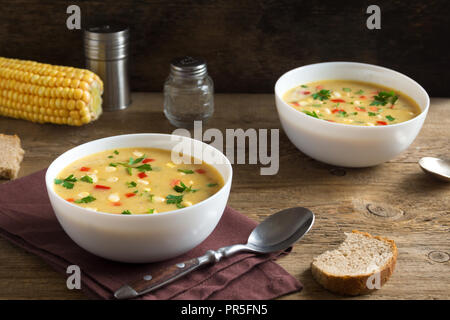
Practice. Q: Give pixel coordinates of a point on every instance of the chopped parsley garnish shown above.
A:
(354, 113)
(139, 159)
(86, 199)
(372, 114)
(186, 171)
(171, 199)
(116, 152)
(383, 98)
(131, 184)
(68, 185)
(322, 95)
(151, 211)
(71, 178)
(212, 185)
(144, 167)
(179, 189)
(390, 118)
(136, 161)
(182, 188)
(135, 191)
(110, 157)
(342, 113)
(68, 182)
(360, 91)
(346, 89)
(126, 212)
(304, 86)
(87, 179)
(311, 114)
(129, 167)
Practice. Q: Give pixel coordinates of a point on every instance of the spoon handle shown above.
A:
(160, 278)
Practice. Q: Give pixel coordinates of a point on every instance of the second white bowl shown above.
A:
(342, 144)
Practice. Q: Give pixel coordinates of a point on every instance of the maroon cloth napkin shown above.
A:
(27, 219)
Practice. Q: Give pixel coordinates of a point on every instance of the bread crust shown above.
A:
(11, 157)
(356, 285)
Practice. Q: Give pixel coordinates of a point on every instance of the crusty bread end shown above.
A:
(11, 155)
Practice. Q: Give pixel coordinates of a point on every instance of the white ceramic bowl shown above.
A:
(140, 238)
(349, 145)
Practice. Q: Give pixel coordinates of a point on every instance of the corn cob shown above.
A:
(46, 93)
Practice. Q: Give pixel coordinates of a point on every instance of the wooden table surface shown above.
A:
(395, 199)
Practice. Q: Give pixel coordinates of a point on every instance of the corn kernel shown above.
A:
(71, 104)
(78, 94)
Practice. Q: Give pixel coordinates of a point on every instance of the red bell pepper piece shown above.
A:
(70, 199)
(148, 160)
(201, 171)
(142, 175)
(129, 195)
(117, 204)
(306, 92)
(174, 182)
(382, 123)
(85, 169)
(360, 109)
(99, 186)
(337, 100)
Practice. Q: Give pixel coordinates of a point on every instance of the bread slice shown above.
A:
(11, 155)
(361, 264)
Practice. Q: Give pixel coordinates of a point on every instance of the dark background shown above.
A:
(247, 44)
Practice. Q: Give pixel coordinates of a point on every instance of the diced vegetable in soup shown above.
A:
(136, 181)
(352, 102)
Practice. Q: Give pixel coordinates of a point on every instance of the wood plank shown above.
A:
(395, 199)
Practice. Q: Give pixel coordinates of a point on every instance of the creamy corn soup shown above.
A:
(136, 181)
(352, 102)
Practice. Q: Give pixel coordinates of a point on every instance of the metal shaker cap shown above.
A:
(106, 42)
(188, 66)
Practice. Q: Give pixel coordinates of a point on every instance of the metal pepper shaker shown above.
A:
(106, 51)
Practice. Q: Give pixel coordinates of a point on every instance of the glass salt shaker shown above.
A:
(188, 92)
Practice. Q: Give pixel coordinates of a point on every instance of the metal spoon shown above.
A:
(278, 232)
(436, 167)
